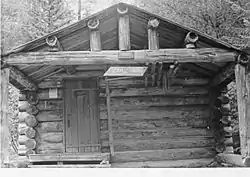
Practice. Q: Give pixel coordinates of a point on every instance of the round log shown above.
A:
(223, 99)
(225, 110)
(22, 97)
(153, 23)
(226, 120)
(228, 129)
(22, 128)
(51, 41)
(31, 121)
(220, 148)
(190, 40)
(30, 151)
(23, 106)
(229, 141)
(229, 150)
(122, 9)
(30, 132)
(56, 137)
(32, 110)
(31, 144)
(93, 24)
(22, 139)
(22, 116)
(246, 161)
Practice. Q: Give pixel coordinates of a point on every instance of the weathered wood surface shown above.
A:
(24, 106)
(140, 83)
(30, 132)
(50, 116)
(135, 56)
(31, 121)
(243, 101)
(173, 91)
(31, 144)
(153, 36)
(49, 105)
(128, 83)
(233, 159)
(124, 29)
(155, 123)
(190, 163)
(4, 114)
(22, 139)
(47, 148)
(160, 101)
(22, 116)
(223, 75)
(71, 166)
(158, 133)
(47, 127)
(157, 144)
(160, 155)
(94, 35)
(22, 128)
(159, 113)
(70, 157)
(20, 80)
(55, 137)
(44, 95)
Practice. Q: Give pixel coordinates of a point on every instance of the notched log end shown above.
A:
(122, 9)
(93, 24)
(153, 23)
(190, 40)
(242, 59)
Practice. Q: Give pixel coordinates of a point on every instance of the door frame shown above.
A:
(77, 78)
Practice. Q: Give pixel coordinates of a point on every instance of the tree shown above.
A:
(224, 19)
(47, 16)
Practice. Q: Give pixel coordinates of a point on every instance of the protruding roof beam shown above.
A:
(153, 36)
(190, 40)
(54, 44)
(94, 35)
(227, 73)
(123, 26)
(21, 81)
(209, 55)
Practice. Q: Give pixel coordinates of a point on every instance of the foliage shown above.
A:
(47, 16)
(223, 19)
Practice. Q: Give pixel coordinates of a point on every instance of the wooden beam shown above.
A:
(225, 73)
(124, 29)
(111, 145)
(243, 101)
(112, 57)
(4, 130)
(95, 37)
(54, 44)
(232, 159)
(21, 81)
(153, 36)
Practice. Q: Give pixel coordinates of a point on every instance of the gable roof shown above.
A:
(75, 37)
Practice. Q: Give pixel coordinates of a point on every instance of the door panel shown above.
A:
(82, 115)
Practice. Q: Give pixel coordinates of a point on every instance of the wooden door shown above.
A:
(81, 103)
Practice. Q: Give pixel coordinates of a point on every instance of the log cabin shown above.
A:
(126, 88)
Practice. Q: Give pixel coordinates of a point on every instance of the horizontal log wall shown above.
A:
(145, 119)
